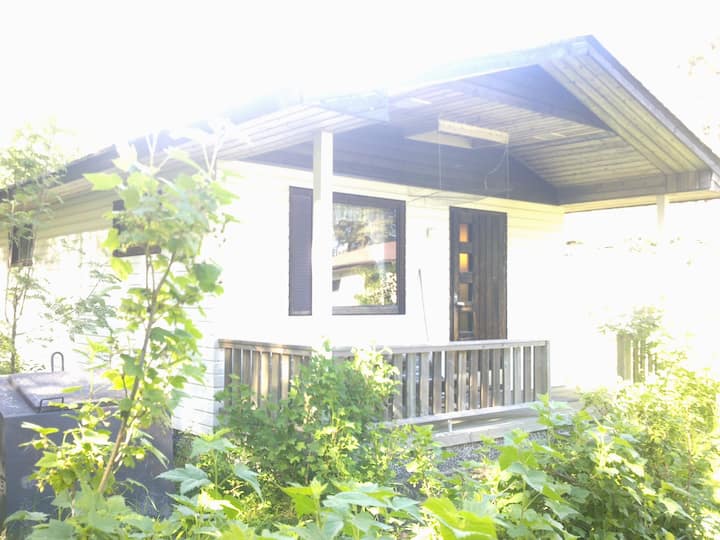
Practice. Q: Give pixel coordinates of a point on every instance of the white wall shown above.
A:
(254, 256)
(255, 261)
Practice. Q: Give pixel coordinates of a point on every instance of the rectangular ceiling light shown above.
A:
(461, 135)
(474, 132)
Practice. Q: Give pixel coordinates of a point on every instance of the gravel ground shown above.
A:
(472, 451)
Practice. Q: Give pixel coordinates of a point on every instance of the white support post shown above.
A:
(322, 229)
(661, 203)
(662, 275)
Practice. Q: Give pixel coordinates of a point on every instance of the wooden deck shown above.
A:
(448, 383)
(495, 422)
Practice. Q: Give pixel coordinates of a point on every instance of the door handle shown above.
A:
(457, 302)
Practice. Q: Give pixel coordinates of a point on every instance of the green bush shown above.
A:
(330, 428)
(637, 463)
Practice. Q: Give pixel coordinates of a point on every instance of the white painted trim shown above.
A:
(322, 227)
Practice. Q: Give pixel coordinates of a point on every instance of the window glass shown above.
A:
(366, 247)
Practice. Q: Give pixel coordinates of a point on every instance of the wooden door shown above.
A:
(478, 274)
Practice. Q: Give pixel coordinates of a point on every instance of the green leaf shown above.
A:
(55, 530)
(347, 498)
(242, 472)
(190, 478)
(25, 515)
(121, 267)
(183, 157)
(223, 195)
(456, 523)
(561, 509)
(127, 156)
(306, 498)
(131, 198)
(508, 455)
(104, 181)
(207, 275)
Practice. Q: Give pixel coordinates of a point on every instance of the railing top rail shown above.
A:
(490, 344)
(275, 348)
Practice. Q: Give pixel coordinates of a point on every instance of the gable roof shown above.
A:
(583, 132)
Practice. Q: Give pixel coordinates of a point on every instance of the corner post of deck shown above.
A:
(322, 230)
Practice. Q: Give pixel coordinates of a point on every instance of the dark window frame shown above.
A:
(118, 205)
(22, 246)
(294, 257)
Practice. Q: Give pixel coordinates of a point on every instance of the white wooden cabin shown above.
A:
(426, 219)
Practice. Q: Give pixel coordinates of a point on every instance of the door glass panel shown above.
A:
(464, 292)
(465, 321)
(464, 232)
(463, 262)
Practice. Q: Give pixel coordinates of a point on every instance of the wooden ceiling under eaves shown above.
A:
(583, 133)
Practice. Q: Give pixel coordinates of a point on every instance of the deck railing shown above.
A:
(435, 380)
(636, 358)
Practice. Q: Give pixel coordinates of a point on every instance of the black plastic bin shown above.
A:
(33, 397)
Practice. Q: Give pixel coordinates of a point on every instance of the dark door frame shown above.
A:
(478, 292)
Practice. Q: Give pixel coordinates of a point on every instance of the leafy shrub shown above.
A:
(633, 464)
(319, 432)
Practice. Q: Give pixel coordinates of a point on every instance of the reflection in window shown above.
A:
(366, 254)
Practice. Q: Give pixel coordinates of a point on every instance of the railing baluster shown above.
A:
(517, 374)
(265, 374)
(398, 399)
(274, 389)
(506, 376)
(424, 390)
(484, 378)
(528, 391)
(461, 380)
(450, 381)
(437, 397)
(256, 368)
(284, 375)
(410, 386)
(541, 386)
(474, 373)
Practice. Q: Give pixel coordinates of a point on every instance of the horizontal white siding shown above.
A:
(254, 256)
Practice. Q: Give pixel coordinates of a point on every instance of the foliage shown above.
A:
(643, 324)
(152, 351)
(91, 315)
(29, 168)
(319, 431)
(636, 464)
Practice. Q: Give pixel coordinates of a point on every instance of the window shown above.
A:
(131, 251)
(368, 274)
(22, 245)
(368, 262)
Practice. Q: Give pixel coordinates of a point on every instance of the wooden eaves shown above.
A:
(583, 132)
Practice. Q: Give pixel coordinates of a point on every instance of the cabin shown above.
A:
(426, 219)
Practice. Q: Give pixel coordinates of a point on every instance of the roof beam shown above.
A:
(514, 96)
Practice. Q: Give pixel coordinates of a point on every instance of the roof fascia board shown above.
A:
(636, 89)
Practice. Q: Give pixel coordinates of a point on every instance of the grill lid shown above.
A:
(43, 390)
